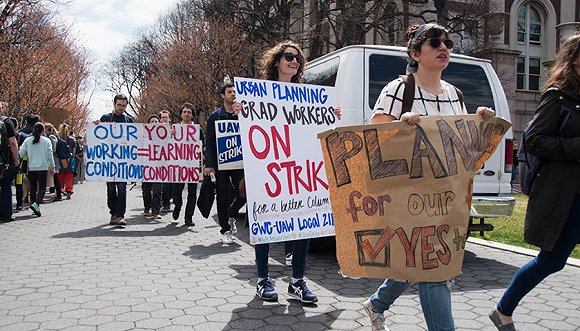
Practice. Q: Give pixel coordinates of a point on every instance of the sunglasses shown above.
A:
(291, 56)
(436, 42)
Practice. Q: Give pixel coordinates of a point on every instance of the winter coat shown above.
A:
(558, 182)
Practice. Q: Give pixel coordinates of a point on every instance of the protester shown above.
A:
(553, 215)
(38, 148)
(225, 179)
(165, 118)
(79, 153)
(23, 186)
(285, 63)
(429, 49)
(117, 191)
(67, 171)
(152, 191)
(177, 189)
(9, 148)
(50, 133)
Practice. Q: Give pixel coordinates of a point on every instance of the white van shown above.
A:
(360, 72)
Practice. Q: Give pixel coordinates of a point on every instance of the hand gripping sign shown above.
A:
(286, 183)
(135, 152)
(401, 194)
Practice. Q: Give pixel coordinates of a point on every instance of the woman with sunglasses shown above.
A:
(284, 63)
(429, 49)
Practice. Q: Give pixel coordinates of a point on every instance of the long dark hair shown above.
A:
(37, 132)
(271, 57)
(563, 74)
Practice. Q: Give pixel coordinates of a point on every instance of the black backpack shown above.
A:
(531, 165)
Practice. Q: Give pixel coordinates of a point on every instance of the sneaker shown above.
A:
(113, 220)
(233, 227)
(289, 259)
(165, 209)
(68, 195)
(156, 216)
(175, 214)
(377, 320)
(121, 221)
(146, 211)
(227, 238)
(266, 291)
(35, 209)
(300, 291)
(189, 223)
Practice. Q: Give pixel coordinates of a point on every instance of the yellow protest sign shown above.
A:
(401, 194)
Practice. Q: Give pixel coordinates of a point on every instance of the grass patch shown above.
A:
(510, 230)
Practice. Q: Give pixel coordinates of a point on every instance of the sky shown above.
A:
(103, 27)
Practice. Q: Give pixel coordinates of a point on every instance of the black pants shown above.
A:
(228, 197)
(152, 196)
(37, 180)
(191, 199)
(166, 195)
(57, 186)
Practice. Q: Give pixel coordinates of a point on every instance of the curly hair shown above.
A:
(418, 34)
(271, 57)
(563, 74)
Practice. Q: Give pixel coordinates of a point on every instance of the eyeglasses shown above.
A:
(436, 42)
(291, 56)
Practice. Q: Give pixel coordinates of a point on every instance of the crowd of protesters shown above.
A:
(42, 159)
(40, 156)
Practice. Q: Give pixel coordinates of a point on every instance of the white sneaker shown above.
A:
(377, 320)
(289, 259)
(233, 227)
(227, 238)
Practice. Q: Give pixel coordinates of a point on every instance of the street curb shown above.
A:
(518, 250)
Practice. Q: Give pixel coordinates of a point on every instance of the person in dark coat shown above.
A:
(553, 214)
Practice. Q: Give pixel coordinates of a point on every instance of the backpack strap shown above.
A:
(408, 93)
(459, 95)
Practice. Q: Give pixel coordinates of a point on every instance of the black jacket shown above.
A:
(210, 144)
(554, 190)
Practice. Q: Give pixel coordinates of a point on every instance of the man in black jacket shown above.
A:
(10, 150)
(225, 179)
(117, 191)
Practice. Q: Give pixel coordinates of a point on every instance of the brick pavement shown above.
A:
(70, 270)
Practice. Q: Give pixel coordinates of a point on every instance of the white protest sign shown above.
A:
(286, 185)
(135, 152)
(229, 145)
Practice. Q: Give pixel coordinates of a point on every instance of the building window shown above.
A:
(529, 42)
(529, 25)
(528, 74)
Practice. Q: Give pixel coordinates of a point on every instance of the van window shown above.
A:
(382, 70)
(469, 78)
(322, 74)
(472, 81)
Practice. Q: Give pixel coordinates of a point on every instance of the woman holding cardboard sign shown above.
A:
(421, 93)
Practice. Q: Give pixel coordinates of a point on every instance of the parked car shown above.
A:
(360, 72)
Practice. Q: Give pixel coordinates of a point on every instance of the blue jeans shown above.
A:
(117, 198)
(6, 193)
(544, 264)
(299, 254)
(435, 301)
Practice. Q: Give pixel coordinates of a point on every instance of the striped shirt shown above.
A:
(390, 101)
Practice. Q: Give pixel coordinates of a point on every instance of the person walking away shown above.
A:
(10, 161)
(152, 191)
(429, 49)
(23, 187)
(553, 215)
(38, 149)
(225, 179)
(177, 189)
(66, 174)
(79, 153)
(50, 130)
(166, 193)
(117, 191)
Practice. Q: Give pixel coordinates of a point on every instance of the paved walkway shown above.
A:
(70, 270)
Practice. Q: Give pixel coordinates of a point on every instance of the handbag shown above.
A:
(206, 196)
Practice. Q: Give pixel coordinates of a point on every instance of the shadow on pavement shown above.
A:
(200, 252)
(286, 314)
(106, 230)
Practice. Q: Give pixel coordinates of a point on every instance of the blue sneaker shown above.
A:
(300, 291)
(266, 291)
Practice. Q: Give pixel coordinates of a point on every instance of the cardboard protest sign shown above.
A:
(401, 194)
(135, 152)
(229, 145)
(286, 185)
